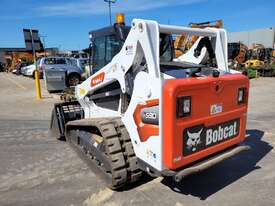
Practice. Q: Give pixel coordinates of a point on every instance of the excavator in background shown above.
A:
(143, 111)
(261, 53)
(237, 54)
(17, 57)
(184, 42)
(22, 56)
(261, 60)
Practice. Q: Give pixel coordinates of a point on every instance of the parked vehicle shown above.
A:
(81, 62)
(18, 68)
(73, 72)
(29, 70)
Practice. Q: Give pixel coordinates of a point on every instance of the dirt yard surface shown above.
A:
(36, 169)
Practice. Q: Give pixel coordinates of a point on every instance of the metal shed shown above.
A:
(266, 37)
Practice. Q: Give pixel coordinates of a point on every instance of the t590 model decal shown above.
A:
(146, 118)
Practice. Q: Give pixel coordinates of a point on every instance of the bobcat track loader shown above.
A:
(145, 111)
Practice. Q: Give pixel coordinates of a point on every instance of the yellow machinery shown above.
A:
(253, 63)
(19, 56)
(184, 42)
(242, 53)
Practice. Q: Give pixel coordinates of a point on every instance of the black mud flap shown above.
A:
(61, 114)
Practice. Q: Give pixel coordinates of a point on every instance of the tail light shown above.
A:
(183, 106)
(241, 95)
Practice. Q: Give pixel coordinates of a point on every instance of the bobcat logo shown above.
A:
(194, 140)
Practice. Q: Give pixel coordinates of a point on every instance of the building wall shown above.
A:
(265, 37)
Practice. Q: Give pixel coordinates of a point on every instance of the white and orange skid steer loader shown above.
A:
(142, 110)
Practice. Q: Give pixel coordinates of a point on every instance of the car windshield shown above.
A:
(72, 61)
(51, 61)
(83, 62)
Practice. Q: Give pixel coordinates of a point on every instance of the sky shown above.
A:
(65, 23)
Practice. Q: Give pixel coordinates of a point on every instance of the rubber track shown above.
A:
(133, 171)
(118, 148)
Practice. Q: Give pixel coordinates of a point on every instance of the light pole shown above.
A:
(36, 74)
(110, 12)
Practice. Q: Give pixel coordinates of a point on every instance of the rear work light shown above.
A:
(241, 95)
(183, 106)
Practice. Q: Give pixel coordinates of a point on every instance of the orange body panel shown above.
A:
(204, 92)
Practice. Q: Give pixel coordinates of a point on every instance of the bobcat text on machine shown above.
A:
(144, 110)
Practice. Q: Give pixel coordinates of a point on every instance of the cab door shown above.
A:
(104, 49)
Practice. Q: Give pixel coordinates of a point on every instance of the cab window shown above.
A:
(165, 48)
(99, 53)
(104, 49)
(112, 48)
(72, 62)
